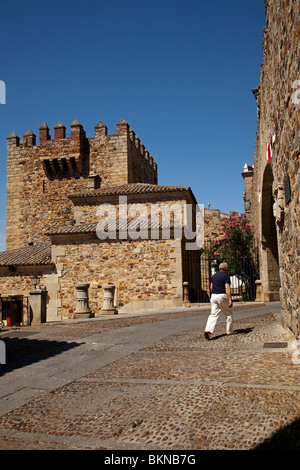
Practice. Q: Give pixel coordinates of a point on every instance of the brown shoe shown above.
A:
(207, 335)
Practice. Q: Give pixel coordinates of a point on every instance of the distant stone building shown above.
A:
(272, 182)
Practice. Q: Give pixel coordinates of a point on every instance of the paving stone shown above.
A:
(178, 392)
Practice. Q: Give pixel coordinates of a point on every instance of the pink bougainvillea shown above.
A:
(236, 244)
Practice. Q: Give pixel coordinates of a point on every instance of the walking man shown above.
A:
(220, 300)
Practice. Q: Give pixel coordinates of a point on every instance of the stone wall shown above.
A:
(213, 219)
(274, 208)
(16, 282)
(19, 281)
(88, 210)
(120, 263)
(141, 165)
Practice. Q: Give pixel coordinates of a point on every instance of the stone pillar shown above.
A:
(186, 301)
(108, 303)
(37, 301)
(82, 302)
(258, 297)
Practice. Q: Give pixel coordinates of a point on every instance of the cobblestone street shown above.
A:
(174, 390)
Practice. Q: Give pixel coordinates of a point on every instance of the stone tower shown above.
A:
(40, 178)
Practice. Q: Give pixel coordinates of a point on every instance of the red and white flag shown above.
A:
(269, 152)
(269, 149)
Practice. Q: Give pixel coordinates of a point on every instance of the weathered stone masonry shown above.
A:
(120, 263)
(272, 187)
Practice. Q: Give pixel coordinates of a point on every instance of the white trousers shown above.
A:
(219, 303)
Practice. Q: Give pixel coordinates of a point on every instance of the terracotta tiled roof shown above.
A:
(134, 224)
(81, 228)
(129, 189)
(27, 256)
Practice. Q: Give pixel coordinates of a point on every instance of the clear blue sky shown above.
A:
(179, 72)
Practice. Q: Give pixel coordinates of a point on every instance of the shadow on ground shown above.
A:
(241, 331)
(22, 350)
(287, 438)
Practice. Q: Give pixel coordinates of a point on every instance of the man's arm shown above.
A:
(228, 293)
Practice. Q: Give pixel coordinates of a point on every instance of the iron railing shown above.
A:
(200, 265)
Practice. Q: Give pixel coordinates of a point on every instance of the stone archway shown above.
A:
(269, 254)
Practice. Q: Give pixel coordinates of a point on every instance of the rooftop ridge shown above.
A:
(130, 188)
(130, 222)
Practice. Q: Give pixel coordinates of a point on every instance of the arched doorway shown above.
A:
(270, 263)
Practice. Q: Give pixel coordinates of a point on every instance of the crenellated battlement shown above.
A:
(123, 129)
(62, 154)
(64, 144)
(141, 148)
(29, 138)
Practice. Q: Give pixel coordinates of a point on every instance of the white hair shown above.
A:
(223, 266)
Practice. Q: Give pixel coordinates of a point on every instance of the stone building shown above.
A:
(54, 191)
(272, 182)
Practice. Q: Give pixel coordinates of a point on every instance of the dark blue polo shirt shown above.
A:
(219, 280)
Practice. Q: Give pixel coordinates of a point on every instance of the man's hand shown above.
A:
(228, 293)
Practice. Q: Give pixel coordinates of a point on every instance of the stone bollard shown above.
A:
(108, 301)
(37, 301)
(82, 302)
(258, 291)
(186, 301)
